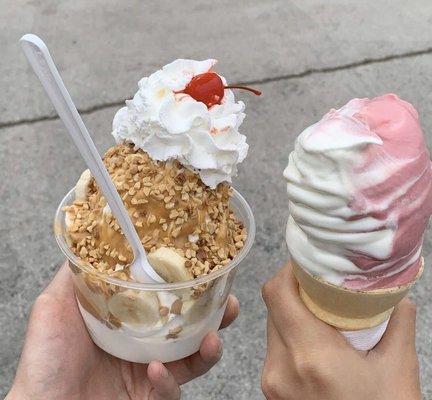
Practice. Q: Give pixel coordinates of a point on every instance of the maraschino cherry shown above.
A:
(208, 88)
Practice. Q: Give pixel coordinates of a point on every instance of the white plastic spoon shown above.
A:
(40, 59)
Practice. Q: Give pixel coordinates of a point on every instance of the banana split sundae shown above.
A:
(178, 147)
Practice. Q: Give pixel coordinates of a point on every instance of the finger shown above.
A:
(209, 354)
(282, 291)
(290, 316)
(276, 347)
(199, 363)
(400, 332)
(231, 312)
(59, 294)
(164, 386)
(273, 338)
(278, 359)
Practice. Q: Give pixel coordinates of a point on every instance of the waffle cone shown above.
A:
(347, 309)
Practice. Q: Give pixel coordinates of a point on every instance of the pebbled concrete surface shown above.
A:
(38, 162)
(103, 47)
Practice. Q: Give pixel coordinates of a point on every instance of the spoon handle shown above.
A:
(40, 59)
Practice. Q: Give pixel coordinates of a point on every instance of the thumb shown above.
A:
(164, 385)
(400, 333)
(61, 286)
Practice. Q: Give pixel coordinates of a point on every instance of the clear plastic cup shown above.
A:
(125, 318)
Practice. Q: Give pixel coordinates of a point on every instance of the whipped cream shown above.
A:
(360, 194)
(172, 125)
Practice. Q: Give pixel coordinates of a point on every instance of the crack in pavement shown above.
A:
(355, 64)
(305, 73)
(43, 118)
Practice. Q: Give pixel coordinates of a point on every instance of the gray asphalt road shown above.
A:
(306, 56)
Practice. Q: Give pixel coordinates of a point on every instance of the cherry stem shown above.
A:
(254, 91)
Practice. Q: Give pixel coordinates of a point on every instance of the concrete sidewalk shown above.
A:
(306, 57)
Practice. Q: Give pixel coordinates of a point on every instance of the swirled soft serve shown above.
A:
(360, 194)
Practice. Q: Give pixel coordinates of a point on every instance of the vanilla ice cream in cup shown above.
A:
(142, 322)
(177, 148)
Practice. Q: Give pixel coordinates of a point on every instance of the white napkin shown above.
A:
(366, 339)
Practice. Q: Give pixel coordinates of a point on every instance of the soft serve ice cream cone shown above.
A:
(360, 198)
(178, 147)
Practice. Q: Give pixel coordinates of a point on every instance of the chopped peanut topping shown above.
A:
(169, 206)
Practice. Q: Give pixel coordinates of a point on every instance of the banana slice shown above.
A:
(81, 193)
(140, 331)
(166, 302)
(68, 219)
(194, 311)
(135, 307)
(169, 265)
(197, 310)
(82, 186)
(94, 303)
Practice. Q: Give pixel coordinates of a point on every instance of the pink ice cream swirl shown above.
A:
(360, 194)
